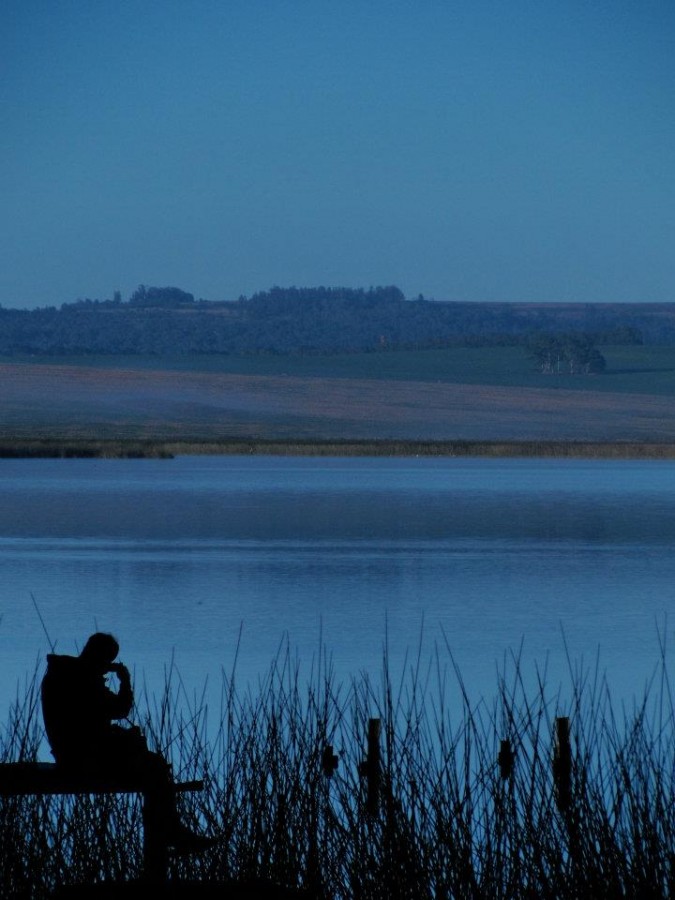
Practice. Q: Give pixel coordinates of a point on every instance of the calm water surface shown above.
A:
(472, 555)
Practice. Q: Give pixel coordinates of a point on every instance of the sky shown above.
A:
(500, 150)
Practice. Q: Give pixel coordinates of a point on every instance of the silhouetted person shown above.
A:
(79, 709)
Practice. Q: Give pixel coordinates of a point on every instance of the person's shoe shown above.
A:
(182, 840)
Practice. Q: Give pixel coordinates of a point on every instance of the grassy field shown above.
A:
(458, 394)
(630, 369)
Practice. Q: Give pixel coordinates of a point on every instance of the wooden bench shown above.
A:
(42, 778)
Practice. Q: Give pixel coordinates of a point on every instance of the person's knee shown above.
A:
(156, 767)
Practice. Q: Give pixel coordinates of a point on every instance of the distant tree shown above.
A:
(596, 362)
(165, 297)
(573, 351)
(581, 356)
(138, 296)
(547, 351)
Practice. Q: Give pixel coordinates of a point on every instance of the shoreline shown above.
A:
(165, 449)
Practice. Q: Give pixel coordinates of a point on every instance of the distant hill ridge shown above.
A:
(163, 320)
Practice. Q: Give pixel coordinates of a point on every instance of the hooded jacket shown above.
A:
(78, 708)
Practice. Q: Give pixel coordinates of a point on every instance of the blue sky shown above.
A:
(467, 150)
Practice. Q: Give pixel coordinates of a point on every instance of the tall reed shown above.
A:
(452, 818)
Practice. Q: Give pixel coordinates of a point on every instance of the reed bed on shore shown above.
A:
(73, 447)
(448, 799)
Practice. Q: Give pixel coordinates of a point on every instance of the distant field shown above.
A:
(630, 369)
(456, 394)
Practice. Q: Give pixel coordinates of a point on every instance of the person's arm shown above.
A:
(120, 703)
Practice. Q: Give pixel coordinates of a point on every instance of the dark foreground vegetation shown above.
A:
(451, 811)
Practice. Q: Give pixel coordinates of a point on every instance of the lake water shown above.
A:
(474, 555)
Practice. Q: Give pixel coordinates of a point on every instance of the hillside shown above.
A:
(452, 394)
(162, 321)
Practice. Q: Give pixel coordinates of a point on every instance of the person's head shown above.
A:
(100, 650)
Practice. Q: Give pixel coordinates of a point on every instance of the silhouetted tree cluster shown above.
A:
(168, 320)
(166, 297)
(294, 299)
(575, 354)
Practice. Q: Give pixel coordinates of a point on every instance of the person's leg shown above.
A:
(160, 798)
(160, 813)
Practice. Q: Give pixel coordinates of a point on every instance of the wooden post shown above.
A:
(371, 767)
(329, 761)
(562, 764)
(505, 759)
(155, 849)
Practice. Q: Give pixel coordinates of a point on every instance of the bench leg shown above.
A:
(155, 848)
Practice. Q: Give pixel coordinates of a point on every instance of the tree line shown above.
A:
(169, 320)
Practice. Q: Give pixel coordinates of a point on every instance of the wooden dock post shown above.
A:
(505, 759)
(562, 764)
(371, 767)
(329, 761)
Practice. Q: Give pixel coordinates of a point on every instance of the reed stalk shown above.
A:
(449, 820)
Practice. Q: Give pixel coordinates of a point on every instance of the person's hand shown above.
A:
(120, 670)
